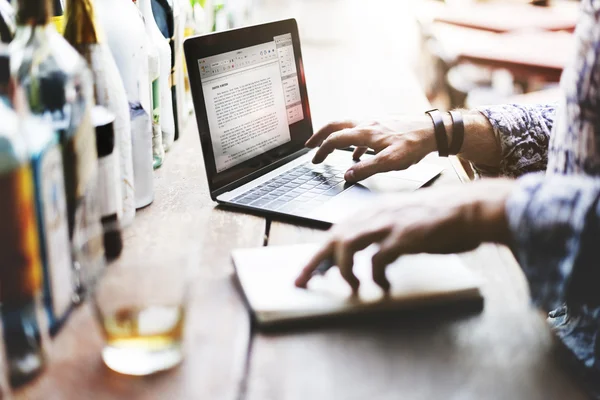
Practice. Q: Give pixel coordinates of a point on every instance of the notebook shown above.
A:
(266, 278)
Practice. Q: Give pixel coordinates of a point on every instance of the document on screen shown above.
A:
(246, 113)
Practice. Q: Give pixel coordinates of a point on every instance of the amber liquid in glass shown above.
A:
(143, 340)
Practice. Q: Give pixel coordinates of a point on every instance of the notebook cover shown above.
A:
(266, 278)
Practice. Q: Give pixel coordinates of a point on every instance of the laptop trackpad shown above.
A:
(389, 184)
(360, 196)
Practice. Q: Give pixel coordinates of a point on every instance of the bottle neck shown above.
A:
(34, 12)
(80, 26)
(58, 8)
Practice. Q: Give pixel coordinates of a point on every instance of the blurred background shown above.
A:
(464, 53)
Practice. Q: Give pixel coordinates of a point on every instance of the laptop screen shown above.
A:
(254, 98)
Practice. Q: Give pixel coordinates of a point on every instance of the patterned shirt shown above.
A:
(555, 216)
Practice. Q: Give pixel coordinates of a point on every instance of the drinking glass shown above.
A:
(140, 305)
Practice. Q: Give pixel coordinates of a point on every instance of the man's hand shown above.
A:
(445, 220)
(397, 143)
(401, 142)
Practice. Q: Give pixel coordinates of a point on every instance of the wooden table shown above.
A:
(504, 352)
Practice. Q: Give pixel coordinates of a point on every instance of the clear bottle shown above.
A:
(202, 11)
(158, 149)
(167, 124)
(126, 37)
(50, 202)
(7, 22)
(58, 88)
(20, 261)
(81, 30)
(220, 16)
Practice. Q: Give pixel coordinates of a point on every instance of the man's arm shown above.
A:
(510, 140)
(555, 227)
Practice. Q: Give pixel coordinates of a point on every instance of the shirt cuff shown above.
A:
(523, 132)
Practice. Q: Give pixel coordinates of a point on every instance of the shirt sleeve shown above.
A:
(523, 132)
(555, 224)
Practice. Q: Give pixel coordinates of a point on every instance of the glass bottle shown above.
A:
(167, 124)
(126, 37)
(53, 228)
(220, 18)
(165, 20)
(58, 88)
(20, 262)
(7, 22)
(81, 31)
(202, 15)
(154, 69)
(109, 190)
(50, 202)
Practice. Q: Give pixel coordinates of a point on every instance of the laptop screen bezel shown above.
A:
(199, 47)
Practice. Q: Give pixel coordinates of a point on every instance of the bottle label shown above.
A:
(54, 230)
(20, 275)
(141, 140)
(157, 146)
(59, 23)
(109, 185)
(84, 149)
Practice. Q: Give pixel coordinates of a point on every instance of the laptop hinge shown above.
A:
(256, 174)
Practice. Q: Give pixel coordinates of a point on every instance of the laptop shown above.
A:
(249, 92)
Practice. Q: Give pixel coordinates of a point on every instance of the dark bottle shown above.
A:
(50, 201)
(163, 15)
(7, 22)
(109, 194)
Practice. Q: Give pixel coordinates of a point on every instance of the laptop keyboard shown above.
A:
(296, 191)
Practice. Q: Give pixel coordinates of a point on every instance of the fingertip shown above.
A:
(350, 176)
(301, 283)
